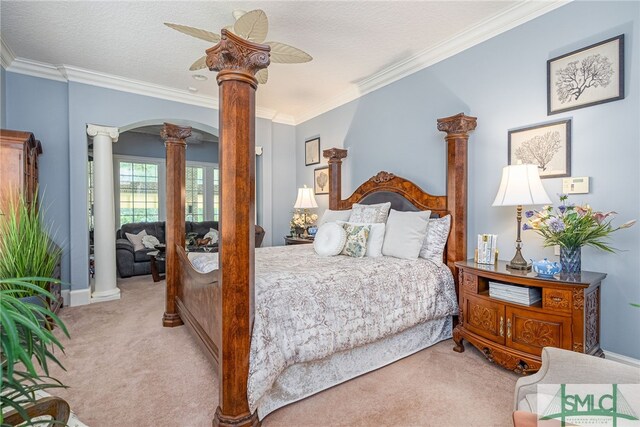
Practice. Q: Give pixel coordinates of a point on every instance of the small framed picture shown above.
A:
(312, 151)
(321, 180)
(588, 76)
(546, 145)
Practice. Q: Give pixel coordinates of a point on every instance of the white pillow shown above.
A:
(330, 239)
(213, 235)
(333, 216)
(369, 214)
(150, 241)
(136, 240)
(405, 233)
(437, 235)
(375, 240)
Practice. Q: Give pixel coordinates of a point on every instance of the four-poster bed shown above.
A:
(218, 306)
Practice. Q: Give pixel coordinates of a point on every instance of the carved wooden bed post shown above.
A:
(335, 156)
(236, 60)
(457, 128)
(175, 144)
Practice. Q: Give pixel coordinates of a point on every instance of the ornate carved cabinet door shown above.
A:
(485, 318)
(529, 331)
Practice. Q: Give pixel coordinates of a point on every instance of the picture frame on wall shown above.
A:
(321, 180)
(312, 151)
(588, 76)
(547, 145)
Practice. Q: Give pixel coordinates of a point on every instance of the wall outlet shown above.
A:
(575, 185)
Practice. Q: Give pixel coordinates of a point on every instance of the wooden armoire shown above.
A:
(19, 153)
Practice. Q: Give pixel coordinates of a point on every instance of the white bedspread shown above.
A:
(309, 307)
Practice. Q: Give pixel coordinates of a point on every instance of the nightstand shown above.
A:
(513, 335)
(288, 240)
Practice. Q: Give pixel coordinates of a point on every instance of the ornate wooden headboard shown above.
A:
(385, 185)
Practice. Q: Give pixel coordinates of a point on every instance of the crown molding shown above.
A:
(6, 54)
(505, 21)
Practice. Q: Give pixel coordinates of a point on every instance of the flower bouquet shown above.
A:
(301, 220)
(572, 227)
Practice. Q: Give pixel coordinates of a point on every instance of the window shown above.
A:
(194, 206)
(138, 192)
(216, 194)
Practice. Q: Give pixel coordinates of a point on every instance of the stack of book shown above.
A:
(514, 293)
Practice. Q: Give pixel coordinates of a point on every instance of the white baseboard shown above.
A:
(79, 297)
(609, 355)
(66, 298)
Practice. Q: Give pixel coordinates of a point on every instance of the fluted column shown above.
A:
(104, 217)
(237, 61)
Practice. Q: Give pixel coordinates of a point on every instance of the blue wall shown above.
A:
(503, 82)
(3, 107)
(57, 113)
(146, 145)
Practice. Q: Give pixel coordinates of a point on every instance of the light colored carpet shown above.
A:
(125, 369)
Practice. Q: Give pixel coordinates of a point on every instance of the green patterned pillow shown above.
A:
(357, 236)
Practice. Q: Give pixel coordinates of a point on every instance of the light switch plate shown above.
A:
(575, 185)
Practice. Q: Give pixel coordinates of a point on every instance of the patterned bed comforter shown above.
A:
(309, 307)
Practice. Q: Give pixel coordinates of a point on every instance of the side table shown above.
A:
(155, 258)
(290, 240)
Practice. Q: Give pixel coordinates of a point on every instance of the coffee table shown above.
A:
(157, 257)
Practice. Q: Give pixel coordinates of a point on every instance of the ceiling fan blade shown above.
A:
(252, 26)
(285, 54)
(199, 64)
(238, 13)
(262, 76)
(195, 32)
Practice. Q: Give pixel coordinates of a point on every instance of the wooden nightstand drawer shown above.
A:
(556, 299)
(470, 282)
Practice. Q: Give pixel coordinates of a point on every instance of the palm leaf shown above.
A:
(199, 64)
(285, 54)
(195, 32)
(262, 76)
(252, 26)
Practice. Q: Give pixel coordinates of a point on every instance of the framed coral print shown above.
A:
(321, 180)
(312, 152)
(546, 145)
(588, 76)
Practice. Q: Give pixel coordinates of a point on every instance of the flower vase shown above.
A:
(570, 259)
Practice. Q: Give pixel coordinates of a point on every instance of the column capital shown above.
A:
(237, 59)
(460, 124)
(174, 134)
(111, 132)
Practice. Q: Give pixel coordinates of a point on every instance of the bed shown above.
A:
(226, 307)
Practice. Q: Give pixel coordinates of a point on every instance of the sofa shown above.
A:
(132, 263)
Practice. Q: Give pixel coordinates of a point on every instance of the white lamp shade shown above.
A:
(305, 199)
(521, 185)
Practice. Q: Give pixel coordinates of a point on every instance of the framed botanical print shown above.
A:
(312, 151)
(321, 180)
(588, 76)
(547, 145)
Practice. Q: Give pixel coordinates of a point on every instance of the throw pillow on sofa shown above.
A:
(150, 241)
(136, 240)
(212, 235)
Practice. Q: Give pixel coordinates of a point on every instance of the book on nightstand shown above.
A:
(514, 293)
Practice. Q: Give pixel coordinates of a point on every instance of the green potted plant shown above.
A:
(26, 249)
(27, 348)
(572, 227)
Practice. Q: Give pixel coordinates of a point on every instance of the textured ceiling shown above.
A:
(349, 40)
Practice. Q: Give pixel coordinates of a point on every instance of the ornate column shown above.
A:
(175, 143)
(335, 156)
(237, 61)
(457, 128)
(104, 216)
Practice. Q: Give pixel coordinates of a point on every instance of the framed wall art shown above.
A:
(312, 151)
(588, 76)
(546, 145)
(321, 180)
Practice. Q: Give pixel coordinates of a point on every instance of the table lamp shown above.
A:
(520, 185)
(305, 201)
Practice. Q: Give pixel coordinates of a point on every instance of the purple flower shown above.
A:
(527, 227)
(562, 208)
(555, 225)
(528, 214)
